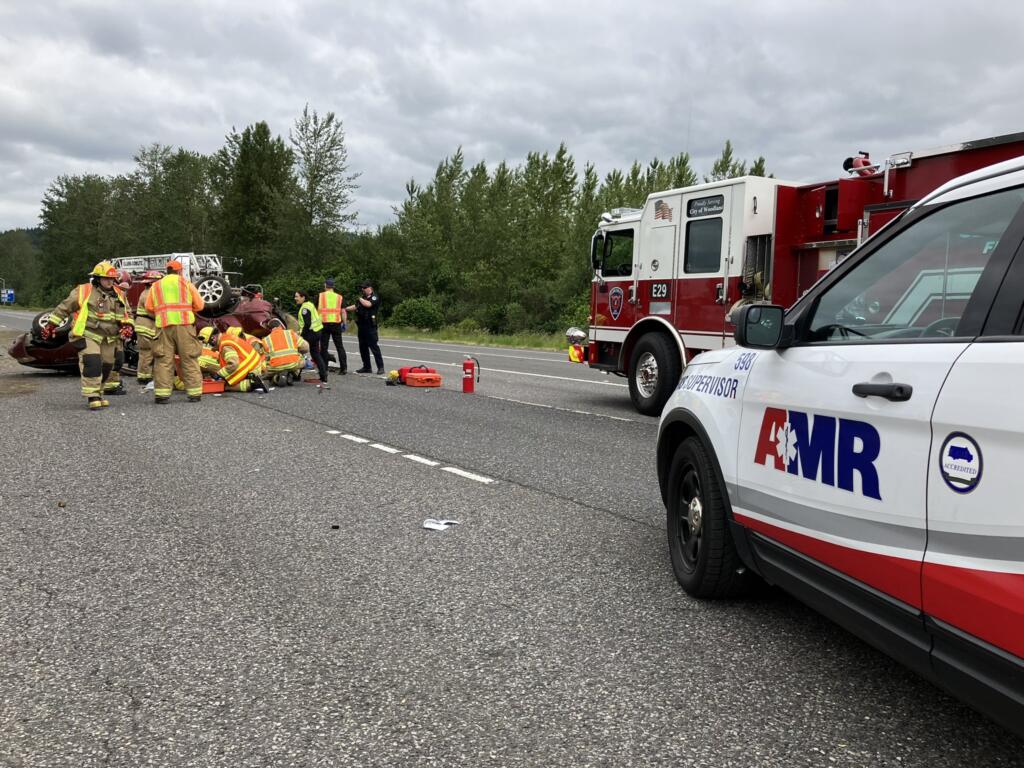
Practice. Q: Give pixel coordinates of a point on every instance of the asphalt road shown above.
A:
(246, 582)
(16, 319)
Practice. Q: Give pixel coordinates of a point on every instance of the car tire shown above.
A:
(704, 557)
(59, 335)
(654, 370)
(215, 292)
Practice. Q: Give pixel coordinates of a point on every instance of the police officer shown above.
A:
(366, 308)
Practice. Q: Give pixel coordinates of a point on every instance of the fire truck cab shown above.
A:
(668, 277)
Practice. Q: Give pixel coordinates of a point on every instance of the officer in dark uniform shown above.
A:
(366, 308)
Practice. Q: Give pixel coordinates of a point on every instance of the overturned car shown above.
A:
(226, 306)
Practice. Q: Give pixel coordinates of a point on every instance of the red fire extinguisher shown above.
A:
(470, 366)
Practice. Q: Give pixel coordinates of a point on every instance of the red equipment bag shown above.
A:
(422, 379)
(405, 371)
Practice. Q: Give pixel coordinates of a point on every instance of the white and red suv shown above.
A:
(864, 450)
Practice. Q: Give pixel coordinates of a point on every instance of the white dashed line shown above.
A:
(564, 410)
(420, 459)
(468, 475)
(330, 432)
(354, 438)
(385, 448)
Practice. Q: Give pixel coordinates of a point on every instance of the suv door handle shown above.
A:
(898, 393)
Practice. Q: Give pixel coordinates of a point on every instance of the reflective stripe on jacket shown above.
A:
(282, 352)
(174, 301)
(238, 359)
(315, 323)
(92, 319)
(329, 306)
(144, 325)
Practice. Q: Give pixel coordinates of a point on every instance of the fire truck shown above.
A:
(668, 276)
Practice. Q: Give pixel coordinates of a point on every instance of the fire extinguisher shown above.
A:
(470, 366)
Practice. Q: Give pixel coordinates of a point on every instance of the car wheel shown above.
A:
(59, 333)
(654, 370)
(215, 292)
(703, 554)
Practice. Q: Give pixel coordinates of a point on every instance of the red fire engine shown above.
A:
(666, 276)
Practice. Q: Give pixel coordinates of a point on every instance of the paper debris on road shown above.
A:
(439, 525)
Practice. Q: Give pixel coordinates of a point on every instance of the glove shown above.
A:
(344, 327)
(126, 332)
(47, 330)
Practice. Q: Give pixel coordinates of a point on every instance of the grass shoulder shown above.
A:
(453, 335)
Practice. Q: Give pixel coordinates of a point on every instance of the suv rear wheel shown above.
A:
(703, 555)
(215, 292)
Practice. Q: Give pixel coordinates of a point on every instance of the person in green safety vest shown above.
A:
(310, 327)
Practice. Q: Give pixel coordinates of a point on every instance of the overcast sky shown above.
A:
(84, 84)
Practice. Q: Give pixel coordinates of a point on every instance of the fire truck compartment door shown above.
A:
(705, 233)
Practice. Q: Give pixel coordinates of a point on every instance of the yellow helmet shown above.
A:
(206, 333)
(104, 269)
(233, 330)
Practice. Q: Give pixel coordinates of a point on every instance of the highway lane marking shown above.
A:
(488, 354)
(565, 410)
(514, 373)
(385, 448)
(353, 438)
(420, 459)
(468, 475)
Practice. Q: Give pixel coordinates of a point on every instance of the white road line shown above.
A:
(355, 439)
(468, 475)
(333, 432)
(514, 373)
(420, 459)
(562, 359)
(565, 410)
(385, 448)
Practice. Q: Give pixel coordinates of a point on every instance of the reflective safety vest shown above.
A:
(82, 315)
(248, 359)
(316, 324)
(282, 351)
(172, 301)
(329, 305)
(144, 325)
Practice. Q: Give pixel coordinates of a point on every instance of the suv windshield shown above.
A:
(917, 284)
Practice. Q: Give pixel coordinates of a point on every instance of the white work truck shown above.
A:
(864, 449)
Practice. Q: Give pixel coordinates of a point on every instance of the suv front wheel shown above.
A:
(703, 554)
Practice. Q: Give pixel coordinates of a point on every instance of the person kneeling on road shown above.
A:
(284, 351)
(239, 361)
(310, 327)
(101, 320)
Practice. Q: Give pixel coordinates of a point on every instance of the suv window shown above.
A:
(917, 285)
(618, 253)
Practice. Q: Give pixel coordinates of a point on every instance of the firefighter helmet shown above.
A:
(206, 333)
(233, 330)
(104, 269)
(151, 276)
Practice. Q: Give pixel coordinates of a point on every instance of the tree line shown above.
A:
(502, 248)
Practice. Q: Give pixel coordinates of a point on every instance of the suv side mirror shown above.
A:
(760, 326)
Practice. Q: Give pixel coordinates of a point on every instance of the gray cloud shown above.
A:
(803, 83)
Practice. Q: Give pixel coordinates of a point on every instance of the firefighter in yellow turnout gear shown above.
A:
(101, 319)
(240, 362)
(209, 362)
(145, 331)
(173, 302)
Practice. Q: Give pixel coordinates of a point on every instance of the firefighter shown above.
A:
(366, 308)
(174, 301)
(113, 385)
(209, 364)
(100, 320)
(284, 350)
(310, 327)
(334, 316)
(239, 361)
(145, 330)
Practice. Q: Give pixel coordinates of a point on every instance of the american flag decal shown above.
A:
(662, 211)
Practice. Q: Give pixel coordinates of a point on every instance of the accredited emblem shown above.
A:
(960, 462)
(615, 297)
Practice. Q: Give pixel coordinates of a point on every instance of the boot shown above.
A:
(95, 403)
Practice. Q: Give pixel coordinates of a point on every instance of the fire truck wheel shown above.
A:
(703, 554)
(654, 371)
